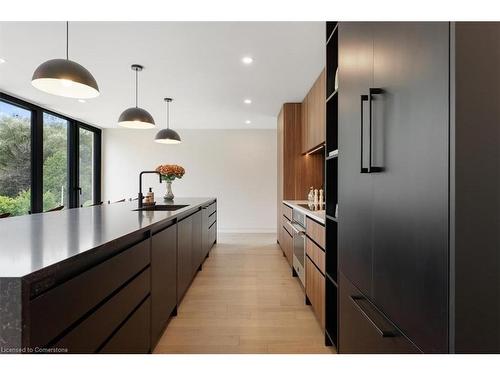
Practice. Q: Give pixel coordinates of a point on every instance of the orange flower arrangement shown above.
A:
(170, 172)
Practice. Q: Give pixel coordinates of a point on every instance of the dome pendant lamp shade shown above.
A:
(168, 136)
(64, 77)
(135, 117)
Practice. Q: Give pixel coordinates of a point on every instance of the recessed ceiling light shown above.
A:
(2, 60)
(247, 101)
(248, 122)
(247, 60)
(82, 100)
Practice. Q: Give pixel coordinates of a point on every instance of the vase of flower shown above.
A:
(169, 196)
(169, 172)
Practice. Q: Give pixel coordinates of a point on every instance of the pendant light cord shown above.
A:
(67, 40)
(136, 86)
(168, 115)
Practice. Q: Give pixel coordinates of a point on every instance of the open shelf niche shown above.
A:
(331, 185)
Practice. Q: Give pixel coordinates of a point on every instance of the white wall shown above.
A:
(238, 167)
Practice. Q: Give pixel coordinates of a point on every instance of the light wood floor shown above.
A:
(244, 301)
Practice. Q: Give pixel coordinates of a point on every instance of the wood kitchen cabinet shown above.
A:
(290, 163)
(296, 172)
(163, 280)
(286, 240)
(315, 290)
(315, 268)
(418, 128)
(313, 115)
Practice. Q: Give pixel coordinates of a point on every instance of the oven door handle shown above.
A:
(296, 229)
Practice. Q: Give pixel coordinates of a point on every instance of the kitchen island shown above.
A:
(99, 279)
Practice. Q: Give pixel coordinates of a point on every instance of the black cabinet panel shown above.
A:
(197, 242)
(355, 188)
(410, 200)
(57, 309)
(164, 279)
(363, 329)
(209, 228)
(134, 336)
(184, 255)
(90, 334)
(394, 181)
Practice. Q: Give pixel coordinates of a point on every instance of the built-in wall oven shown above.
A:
(298, 230)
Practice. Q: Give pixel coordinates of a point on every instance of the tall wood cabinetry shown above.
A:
(297, 171)
(290, 166)
(418, 138)
(313, 115)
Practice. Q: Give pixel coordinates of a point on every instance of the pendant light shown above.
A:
(168, 136)
(64, 77)
(135, 117)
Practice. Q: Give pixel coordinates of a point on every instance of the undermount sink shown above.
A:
(162, 207)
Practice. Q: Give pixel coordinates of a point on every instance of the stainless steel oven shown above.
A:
(297, 227)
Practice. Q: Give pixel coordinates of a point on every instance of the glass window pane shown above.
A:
(55, 162)
(15, 159)
(86, 167)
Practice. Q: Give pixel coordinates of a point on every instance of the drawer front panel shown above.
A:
(134, 336)
(212, 218)
(316, 254)
(212, 234)
(363, 329)
(54, 311)
(287, 212)
(212, 208)
(89, 335)
(315, 290)
(316, 231)
(287, 246)
(285, 224)
(163, 280)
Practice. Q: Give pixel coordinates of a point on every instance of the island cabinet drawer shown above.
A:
(89, 335)
(316, 254)
(133, 337)
(316, 232)
(287, 211)
(211, 208)
(212, 233)
(212, 218)
(59, 308)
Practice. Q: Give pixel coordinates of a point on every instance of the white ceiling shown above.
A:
(196, 63)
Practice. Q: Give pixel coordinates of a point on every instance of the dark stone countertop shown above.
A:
(33, 242)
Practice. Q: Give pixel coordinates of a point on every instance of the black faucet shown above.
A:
(140, 196)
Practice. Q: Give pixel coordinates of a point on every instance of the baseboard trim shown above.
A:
(246, 230)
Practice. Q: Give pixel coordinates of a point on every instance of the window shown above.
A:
(15, 159)
(46, 159)
(86, 166)
(55, 162)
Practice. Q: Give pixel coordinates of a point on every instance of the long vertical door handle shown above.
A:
(364, 98)
(371, 167)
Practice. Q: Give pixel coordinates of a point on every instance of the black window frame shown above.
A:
(73, 153)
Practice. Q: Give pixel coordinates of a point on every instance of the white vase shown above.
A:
(169, 196)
